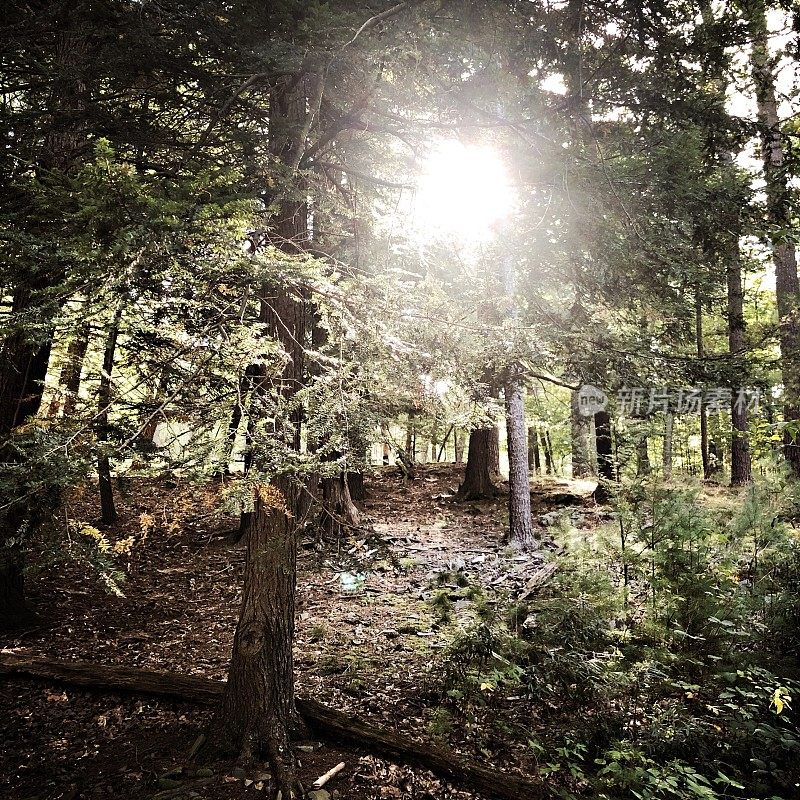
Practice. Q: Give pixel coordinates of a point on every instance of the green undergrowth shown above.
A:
(661, 661)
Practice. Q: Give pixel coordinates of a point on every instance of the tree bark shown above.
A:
(477, 483)
(778, 212)
(519, 494)
(258, 711)
(494, 453)
(107, 508)
(24, 359)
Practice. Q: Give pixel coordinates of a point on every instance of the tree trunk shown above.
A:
(23, 359)
(519, 494)
(69, 383)
(604, 444)
(258, 710)
(669, 427)
(548, 454)
(580, 440)
(107, 507)
(458, 443)
(477, 483)
(534, 456)
(740, 443)
(643, 467)
(257, 714)
(779, 207)
(698, 332)
(338, 510)
(494, 453)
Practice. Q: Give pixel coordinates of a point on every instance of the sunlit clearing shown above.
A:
(463, 194)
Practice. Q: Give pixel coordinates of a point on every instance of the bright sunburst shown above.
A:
(462, 194)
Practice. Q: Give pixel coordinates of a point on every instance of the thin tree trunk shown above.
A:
(548, 454)
(494, 453)
(69, 383)
(458, 443)
(698, 332)
(107, 507)
(779, 208)
(534, 455)
(604, 444)
(643, 467)
(669, 427)
(519, 494)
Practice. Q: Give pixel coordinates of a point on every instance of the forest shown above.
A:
(399, 399)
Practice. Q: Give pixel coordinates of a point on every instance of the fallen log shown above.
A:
(328, 722)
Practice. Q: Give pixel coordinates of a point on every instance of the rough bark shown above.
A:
(519, 494)
(494, 453)
(339, 513)
(779, 209)
(335, 725)
(477, 483)
(258, 710)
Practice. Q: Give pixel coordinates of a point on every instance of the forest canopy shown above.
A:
(483, 313)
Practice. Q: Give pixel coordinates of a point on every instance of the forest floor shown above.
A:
(373, 639)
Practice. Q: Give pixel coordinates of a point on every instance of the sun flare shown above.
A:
(462, 194)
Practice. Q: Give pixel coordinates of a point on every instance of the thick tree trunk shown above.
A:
(257, 714)
(107, 508)
(580, 440)
(23, 359)
(779, 209)
(477, 483)
(258, 710)
(339, 513)
(519, 487)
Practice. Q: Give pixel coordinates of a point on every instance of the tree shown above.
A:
(779, 225)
